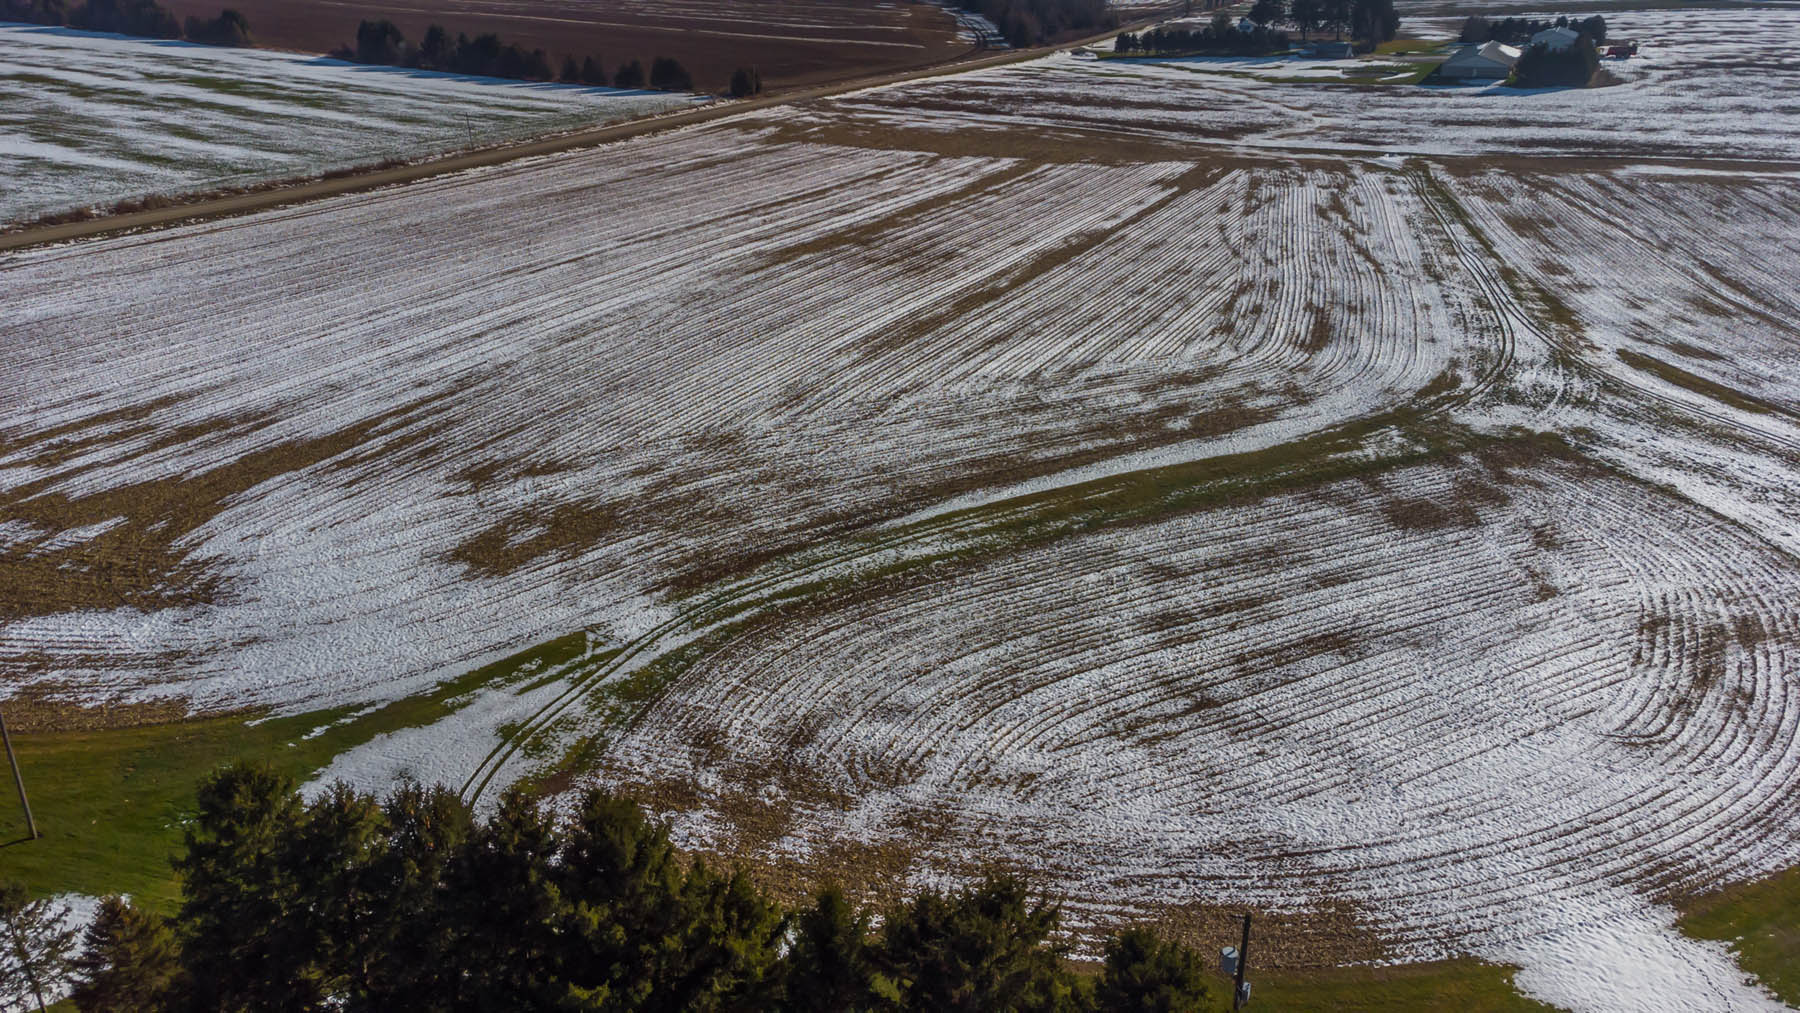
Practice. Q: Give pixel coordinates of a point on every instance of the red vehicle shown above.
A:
(1623, 51)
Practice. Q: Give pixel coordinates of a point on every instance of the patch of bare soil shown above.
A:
(124, 547)
(1332, 935)
(59, 707)
(876, 872)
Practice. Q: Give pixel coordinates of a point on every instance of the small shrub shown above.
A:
(745, 82)
(228, 29)
(378, 42)
(668, 75)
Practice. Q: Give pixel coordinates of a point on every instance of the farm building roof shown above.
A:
(1487, 53)
(1556, 38)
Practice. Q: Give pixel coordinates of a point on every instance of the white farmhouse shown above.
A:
(1488, 61)
(1556, 39)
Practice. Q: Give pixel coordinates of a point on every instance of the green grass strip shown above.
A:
(1761, 921)
(111, 803)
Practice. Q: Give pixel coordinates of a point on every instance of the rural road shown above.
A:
(276, 196)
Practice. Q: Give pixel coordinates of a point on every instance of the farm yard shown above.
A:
(1721, 93)
(1370, 508)
(94, 119)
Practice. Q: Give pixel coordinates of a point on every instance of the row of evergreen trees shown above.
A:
(411, 903)
(1372, 21)
(1219, 38)
(145, 18)
(1518, 31)
(382, 43)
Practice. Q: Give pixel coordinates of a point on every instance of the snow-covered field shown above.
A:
(91, 119)
(1116, 470)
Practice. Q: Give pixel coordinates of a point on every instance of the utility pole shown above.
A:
(1238, 998)
(18, 779)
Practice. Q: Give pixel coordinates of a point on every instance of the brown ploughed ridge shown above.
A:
(792, 43)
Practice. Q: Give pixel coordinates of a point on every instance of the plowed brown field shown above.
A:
(792, 42)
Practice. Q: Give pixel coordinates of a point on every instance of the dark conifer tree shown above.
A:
(236, 900)
(378, 42)
(727, 948)
(228, 29)
(436, 51)
(480, 55)
(622, 882)
(982, 949)
(667, 74)
(1541, 67)
(129, 962)
(1374, 20)
(1307, 15)
(1336, 15)
(829, 965)
(745, 82)
(330, 860)
(1147, 974)
(507, 911)
(413, 940)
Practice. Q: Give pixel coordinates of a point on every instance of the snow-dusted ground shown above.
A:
(90, 119)
(1498, 732)
(658, 382)
(1502, 702)
(1277, 68)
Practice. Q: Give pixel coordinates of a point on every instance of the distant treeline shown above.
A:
(1222, 37)
(1370, 21)
(1030, 22)
(145, 18)
(1518, 31)
(381, 42)
(410, 903)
